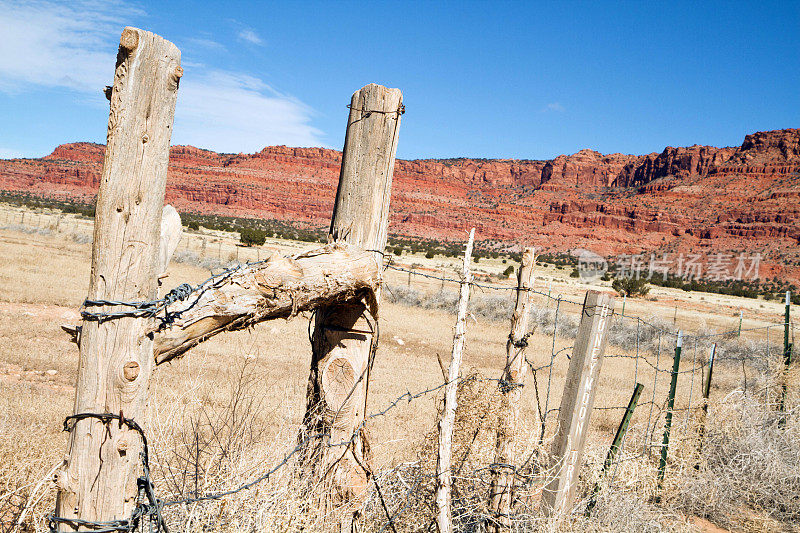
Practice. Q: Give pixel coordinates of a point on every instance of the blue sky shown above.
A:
(480, 79)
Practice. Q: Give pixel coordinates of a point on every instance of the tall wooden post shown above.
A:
(502, 485)
(344, 335)
(444, 474)
(98, 481)
(577, 402)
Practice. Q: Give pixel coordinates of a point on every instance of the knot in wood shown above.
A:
(175, 78)
(131, 370)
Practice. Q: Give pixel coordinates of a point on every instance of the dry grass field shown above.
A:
(230, 409)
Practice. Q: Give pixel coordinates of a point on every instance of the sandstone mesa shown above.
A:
(692, 199)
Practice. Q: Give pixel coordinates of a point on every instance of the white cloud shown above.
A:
(200, 42)
(554, 106)
(59, 45)
(73, 46)
(234, 112)
(250, 36)
(7, 153)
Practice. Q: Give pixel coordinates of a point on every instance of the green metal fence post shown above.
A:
(616, 444)
(706, 394)
(740, 322)
(787, 351)
(787, 356)
(624, 297)
(662, 465)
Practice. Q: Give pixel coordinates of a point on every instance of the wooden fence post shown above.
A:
(344, 337)
(99, 480)
(501, 491)
(444, 519)
(577, 402)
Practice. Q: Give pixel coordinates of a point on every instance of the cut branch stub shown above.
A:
(276, 288)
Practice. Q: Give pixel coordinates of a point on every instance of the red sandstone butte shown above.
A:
(693, 199)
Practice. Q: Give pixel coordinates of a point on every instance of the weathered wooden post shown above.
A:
(501, 491)
(577, 402)
(99, 480)
(444, 480)
(344, 335)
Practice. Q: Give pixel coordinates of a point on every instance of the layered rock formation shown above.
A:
(680, 200)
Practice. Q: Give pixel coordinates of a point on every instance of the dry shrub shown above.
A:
(221, 439)
(206, 263)
(30, 230)
(81, 238)
(409, 489)
(749, 468)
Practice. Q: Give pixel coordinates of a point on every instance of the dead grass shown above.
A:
(238, 399)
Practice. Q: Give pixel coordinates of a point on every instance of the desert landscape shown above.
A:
(251, 385)
(214, 320)
(689, 199)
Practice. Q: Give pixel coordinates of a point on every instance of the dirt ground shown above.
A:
(44, 277)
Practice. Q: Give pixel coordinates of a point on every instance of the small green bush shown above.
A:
(252, 237)
(631, 286)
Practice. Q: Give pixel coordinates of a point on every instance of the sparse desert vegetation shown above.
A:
(230, 410)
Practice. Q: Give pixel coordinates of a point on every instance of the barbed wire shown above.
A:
(149, 507)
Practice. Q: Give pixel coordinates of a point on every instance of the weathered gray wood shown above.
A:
(342, 342)
(501, 489)
(98, 481)
(444, 480)
(279, 287)
(171, 231)
(577, 402)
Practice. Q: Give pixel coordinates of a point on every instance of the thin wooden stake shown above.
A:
(787, 356)
(501, 491)
(444, 519)
(98, 481)
(577, 402)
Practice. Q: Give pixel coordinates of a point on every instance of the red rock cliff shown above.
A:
(698, 197)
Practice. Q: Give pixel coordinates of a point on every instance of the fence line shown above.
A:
(641, 357)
